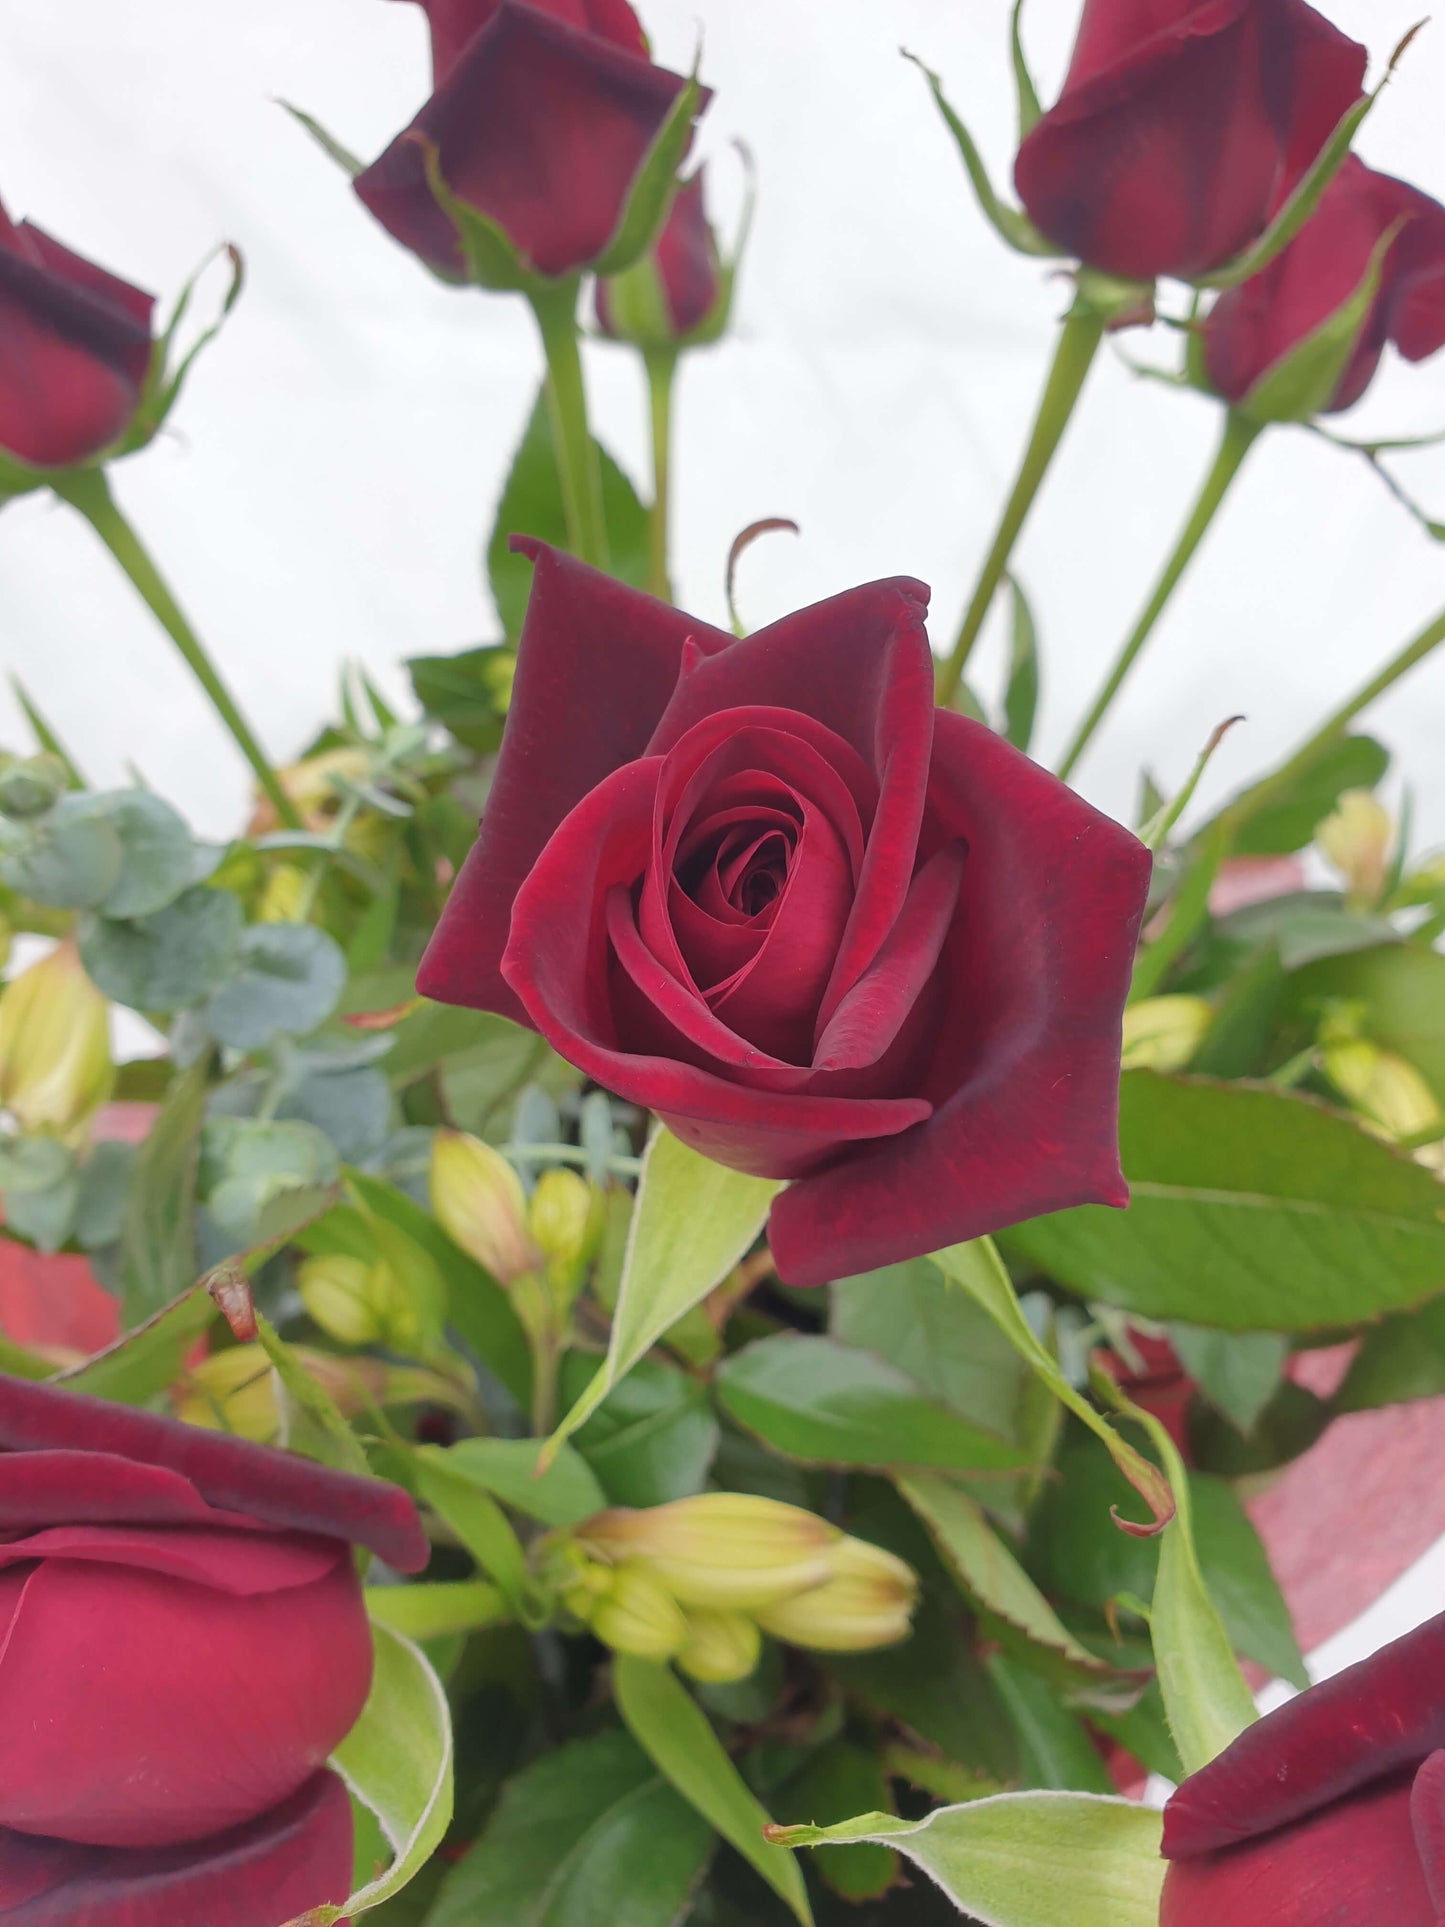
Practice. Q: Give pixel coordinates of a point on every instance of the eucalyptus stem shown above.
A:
(1235, 443)
(576, 452)
(1078, 343)
(661, 366)
(88, 491)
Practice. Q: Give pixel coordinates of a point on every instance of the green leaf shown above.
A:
(397, 1760)
(252, 1167)
(1027, 1859)
(1011, 1606)
(531, 504)
(69, 859)
(1251, 1209)
(692, 1222)
(1187, 913)
(145, 1361)
(586, 1836)
(676, 1735)
(652, 1438)
(437, 1610)
(157, 1243)
(1021, 693)
(563, 1495)
(977, 1267)
(1054, 1749)
(313, 1426)
(104, 1183)
(288, 977)
(481, 1525)
(1288, 821)
(467, 693)
(840, 1779)
(156, 856)
(1304, 925)
(169, 960)
(1401, 991)
(1402, 1359)
(1240, 1582)
(814, 1400)
(1236, 1371)
(1009, 223)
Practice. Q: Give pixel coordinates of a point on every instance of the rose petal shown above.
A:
(243, 1564)
(454, 23)
(1427, 1820)
(232, 1474)
(296, 1857)
(140, 1710)
(1384, 1713)
(61, 1488)
(596, 665)
(1025, 1073)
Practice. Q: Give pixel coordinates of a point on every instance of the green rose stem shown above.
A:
(1238, 438)
(578, 472)
(661, 364)
(86, 489)
(1079, 340)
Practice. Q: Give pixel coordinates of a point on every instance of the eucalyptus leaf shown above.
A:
(170, 959)
(157, 861)
(288, 977)
(69, 858)
(40, 1185)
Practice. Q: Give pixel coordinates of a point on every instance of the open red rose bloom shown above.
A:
(1330, 1812)
(825, 931)
(182, 1644)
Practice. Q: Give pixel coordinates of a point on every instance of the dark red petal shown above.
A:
(232, 1474)
(1353, 1865)
(453, 23)
(686, 257)
(143, 1711)
(538, 126)
(596, 665)
(1112, 32)
(1386, 1712)
(59, 1488)
(245, 1564)
(1025, 1071)
(296, 1857)
(107, 288)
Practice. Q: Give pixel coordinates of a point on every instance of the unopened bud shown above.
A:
(565, 1219)
(1163, 1033)
(1391, 1096)
(639, 1615)
(1356, 839)
(729, 1550)
(55, 1062)
(868, 1601)
(30, 785)
(719, 1647)
(283, 900)
(341, 1295)
(235, 1390)
(480, 1204)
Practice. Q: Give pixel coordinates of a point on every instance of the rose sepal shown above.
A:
(1010, 223)
(654, 183)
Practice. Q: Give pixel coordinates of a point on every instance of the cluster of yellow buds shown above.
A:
(700, 1580)
(1389, 1095)
(1163, 1033)
(56, 1068)
(236, 1390)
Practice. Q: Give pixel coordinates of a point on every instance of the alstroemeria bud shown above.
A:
(231, 1391)
(729, 1550)
(342, 1295)
(283, 899)
(1356, 839)
(565, 1219)
(867, 1601)
(1163, 1033)
(480, 1204)
(55, 1062)
(719, 1647)
(639, 1615)
(1392, 1098)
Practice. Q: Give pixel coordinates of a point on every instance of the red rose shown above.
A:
(182, 1635)
(295, 1857)
(1182, 127)
(684, 260)
(1252, 327)
(454, 22)
(539, 125)
(826, 932)
(75, 345)
(1332, 1808)
(1160, 1385)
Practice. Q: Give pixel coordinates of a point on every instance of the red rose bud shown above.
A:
(539, 126)
(671, 292)
(1330, 1808)
(1182, 127)
(455, 24)
(75, 347)
(1254, 328)
(828, 933)
(278, 1867)
(182, 1634)
(1154, 1380)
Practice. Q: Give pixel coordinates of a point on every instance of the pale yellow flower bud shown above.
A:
(639, 1615)
(283, 900)
(341, 1294)
(55, 1062)
(719, 1647)
(868, 1601)
(1355, 837)
(480, 1204)
(729, 1550)
(232, 1391)
(565, 1219)
(1163, 1033)
(1391, 1096)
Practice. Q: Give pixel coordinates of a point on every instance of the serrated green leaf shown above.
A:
(652, 1438)
(312, 1424)
(149, 1358)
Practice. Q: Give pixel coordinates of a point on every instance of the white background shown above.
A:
(329, 478)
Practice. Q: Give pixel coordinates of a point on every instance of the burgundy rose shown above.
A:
(828, 933)
(182, 1634)
(275, 1868)
(1253, 327)
(75, 346)
(1157, 1383)
(453, 24)
(684, 266)
(537, 123)
(1182, 127)
(1330, 1809)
